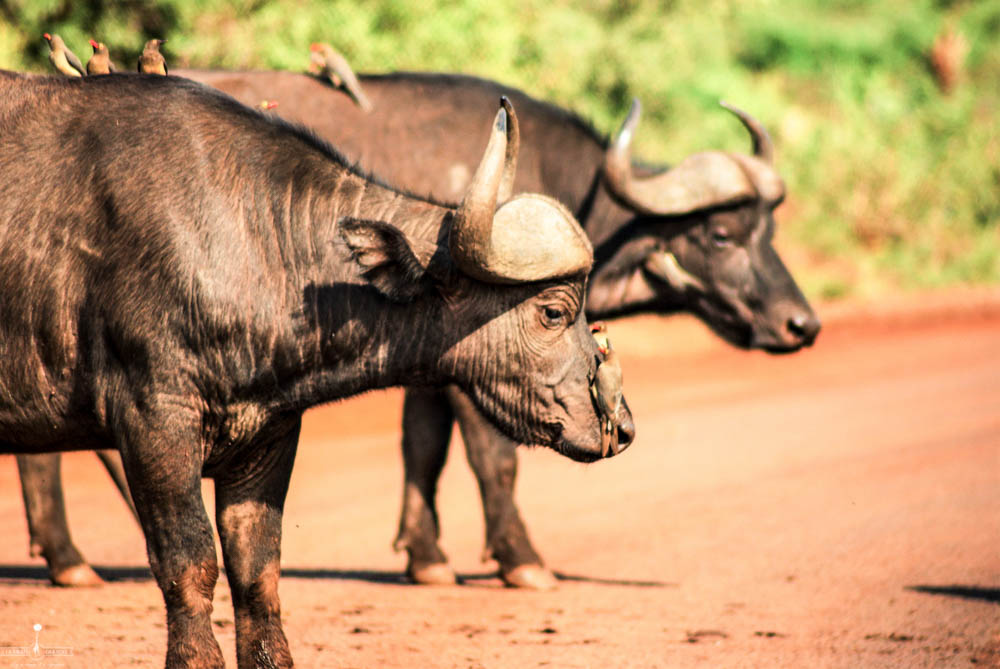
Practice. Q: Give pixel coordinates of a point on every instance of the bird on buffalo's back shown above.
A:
(326, 61)
(151, 61)
(100, 62)
(62, 58)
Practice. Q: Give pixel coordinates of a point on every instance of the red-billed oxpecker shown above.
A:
(607, 388)
(100, 62)
(62, 58)
(325, 61)
(151, 61)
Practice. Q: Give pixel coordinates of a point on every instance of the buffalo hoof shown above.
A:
(530, 577)
(77, 576)
(438, 573)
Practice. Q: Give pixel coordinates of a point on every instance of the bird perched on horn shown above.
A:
(324, 60)
(151, 61)
(100, 62)
(62, 58)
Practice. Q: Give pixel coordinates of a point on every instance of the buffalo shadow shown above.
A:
(973, 592)
(36, 574)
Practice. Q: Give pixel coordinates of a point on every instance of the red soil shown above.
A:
(835, 508)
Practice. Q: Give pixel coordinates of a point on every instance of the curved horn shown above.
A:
(617, 158)
(473, 220)
(708, 179)
(529, 237)
(534, 238)
(763, 147)
(510, 157)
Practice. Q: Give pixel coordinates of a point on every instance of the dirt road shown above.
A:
(835, 508)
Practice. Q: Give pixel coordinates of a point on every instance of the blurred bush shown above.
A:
(893, 183)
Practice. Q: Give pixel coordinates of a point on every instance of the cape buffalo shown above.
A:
(184, 276)
(693, 238)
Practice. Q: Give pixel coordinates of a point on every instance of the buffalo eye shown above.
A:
(553, 317)
(721, 238)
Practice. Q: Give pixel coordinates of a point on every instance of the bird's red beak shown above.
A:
(315, 46)
(93, 44)
(47, 36)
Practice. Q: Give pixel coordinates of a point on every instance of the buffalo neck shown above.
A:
(322, 331)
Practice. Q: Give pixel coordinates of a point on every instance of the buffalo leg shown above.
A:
(249, 503)
(493, 458)
(113, 464)
(41, 487)
(427, 421)
(164, 474)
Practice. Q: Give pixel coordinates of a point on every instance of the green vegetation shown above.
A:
(893, 183)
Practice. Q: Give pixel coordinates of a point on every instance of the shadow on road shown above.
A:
(628, 583)
(113, 574)
(963, 591)
(399, 578)
(26, 574)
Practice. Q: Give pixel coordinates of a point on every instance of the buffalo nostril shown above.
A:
(804, 326)
(797, 325)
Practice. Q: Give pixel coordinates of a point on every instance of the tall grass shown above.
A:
(893, 183)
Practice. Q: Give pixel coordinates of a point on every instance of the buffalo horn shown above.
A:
(529, 237)
(473, 222)
(535, 237)
(763, 148)
(617, 159)
(510, 158)
(708, 179)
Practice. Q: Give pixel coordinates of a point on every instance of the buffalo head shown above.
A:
(504, 286)
(701, 240)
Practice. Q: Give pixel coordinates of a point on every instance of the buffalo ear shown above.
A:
(385, 258)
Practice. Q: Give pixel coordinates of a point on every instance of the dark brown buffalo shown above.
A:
(695, 238)
(184, 276)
